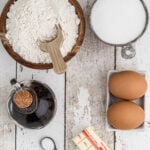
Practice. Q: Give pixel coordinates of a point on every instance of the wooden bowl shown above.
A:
(22, 61)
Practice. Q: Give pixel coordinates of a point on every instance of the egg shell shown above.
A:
(125, 115)
(127, 85)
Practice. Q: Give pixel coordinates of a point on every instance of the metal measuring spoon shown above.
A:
(48, 141)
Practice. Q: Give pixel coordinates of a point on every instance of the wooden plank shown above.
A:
(86, 86)
(7, 137)
(7, 71)
(136, 140)
(29, 139)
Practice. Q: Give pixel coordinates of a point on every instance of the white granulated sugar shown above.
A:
(118, 21)
(32, 21)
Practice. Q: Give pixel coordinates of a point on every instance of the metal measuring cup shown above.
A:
(128, 51)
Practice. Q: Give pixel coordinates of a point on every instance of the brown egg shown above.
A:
(127, 85)
(125, 115)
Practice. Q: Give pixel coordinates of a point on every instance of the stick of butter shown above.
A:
(89, 140)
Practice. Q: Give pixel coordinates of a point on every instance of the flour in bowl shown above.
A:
(32, 21)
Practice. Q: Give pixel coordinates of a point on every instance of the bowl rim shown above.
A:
(41, 66)
(131, 41)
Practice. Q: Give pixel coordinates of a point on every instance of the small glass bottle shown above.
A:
(32, 104)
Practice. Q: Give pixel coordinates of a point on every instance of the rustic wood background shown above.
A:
(81, 94)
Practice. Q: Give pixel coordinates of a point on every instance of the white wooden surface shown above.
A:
(137, 141)
(81, 95)
(27, 139)
(86, 81)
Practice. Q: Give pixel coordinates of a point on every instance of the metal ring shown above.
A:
(51, 140)
(128, 52)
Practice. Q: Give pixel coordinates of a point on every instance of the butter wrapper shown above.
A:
(89, 140)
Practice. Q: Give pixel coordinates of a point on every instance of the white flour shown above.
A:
(30, 21)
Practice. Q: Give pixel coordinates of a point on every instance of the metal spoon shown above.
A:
(53, 48)
(48, 139)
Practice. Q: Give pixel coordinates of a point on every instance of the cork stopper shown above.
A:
(23, 99)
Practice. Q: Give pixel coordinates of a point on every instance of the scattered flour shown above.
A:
(82, 111)
(30, 21)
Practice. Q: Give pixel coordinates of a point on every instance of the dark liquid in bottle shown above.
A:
(44, 111)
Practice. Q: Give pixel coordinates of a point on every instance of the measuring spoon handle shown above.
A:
(59, 64)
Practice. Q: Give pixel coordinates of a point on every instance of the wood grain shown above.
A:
(7, 128)
(53, 48)
(7, 137)
(20, 60)
(85, 87)
(29, 139)
(136, 140)
(85, 93)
